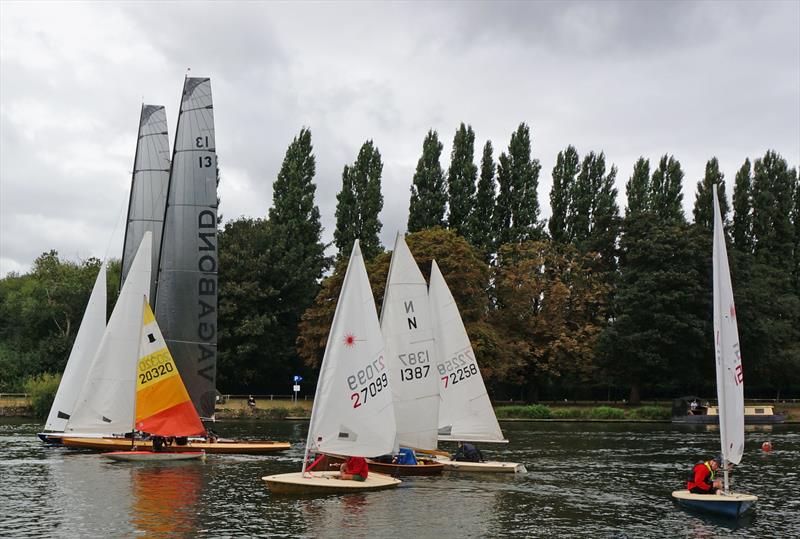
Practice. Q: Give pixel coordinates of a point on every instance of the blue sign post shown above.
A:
(296, 387)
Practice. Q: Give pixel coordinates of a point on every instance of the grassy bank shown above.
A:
(540, 411)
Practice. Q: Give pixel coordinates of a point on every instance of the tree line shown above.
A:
(593, 302)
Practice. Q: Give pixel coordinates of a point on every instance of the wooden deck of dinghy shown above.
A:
(315, 483)
(122, 444)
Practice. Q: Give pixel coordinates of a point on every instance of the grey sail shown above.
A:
(186, 297)
(148, 196)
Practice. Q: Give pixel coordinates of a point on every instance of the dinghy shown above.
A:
(163, 407)
(730, 387)
(465, 411)
(352, 413)
(152, 456)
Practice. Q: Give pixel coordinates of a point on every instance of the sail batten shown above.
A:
(186, 297)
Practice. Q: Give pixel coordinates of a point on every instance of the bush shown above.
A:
(650, 412)
(606, 412)
(42, 390)
(533, 411)
(570, 413)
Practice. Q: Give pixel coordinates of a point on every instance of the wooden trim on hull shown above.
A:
(729, 505)
(122, 444)
(424, 468)
(321, 483)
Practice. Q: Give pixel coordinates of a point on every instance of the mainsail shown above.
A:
(186, 297)
(148, 188)
(80, 359)
(465, 411)
(163, 406)
(410, 350)
(730, 377)
(106, 402)
(352, 413)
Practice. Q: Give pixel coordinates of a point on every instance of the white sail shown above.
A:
(84, 348)
(352, 413)
(730, 377)
(186, 295)
(149, 181)
(410, 350)
(465, 411)
(106, 401)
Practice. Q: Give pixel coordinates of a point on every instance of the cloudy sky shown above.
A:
(694, 79)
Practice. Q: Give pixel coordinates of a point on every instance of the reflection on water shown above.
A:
(165, 496)
(584, 480)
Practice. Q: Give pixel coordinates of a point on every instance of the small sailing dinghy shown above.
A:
(163, 407)
(465, 411)
(87, 340)
(352, 413)
(730, 387)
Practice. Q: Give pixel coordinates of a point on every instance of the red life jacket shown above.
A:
(701, 476)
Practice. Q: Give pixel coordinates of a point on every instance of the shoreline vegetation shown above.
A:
(280, 408)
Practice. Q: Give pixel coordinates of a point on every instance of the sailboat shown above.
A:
(148, 196)
(352, 413)
(185, 302)
(163, 407)
(83, 350)
(730, 386)
(465, 411)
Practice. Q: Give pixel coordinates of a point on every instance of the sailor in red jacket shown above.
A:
(702, 480)
(354, 468)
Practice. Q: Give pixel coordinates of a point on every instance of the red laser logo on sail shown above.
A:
(349, 340)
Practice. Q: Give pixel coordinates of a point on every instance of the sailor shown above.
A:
(251, 401)
(354, 468)
(467, 453)
(702, 477)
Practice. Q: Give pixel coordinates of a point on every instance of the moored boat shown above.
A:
(236, 447)
(153, 456)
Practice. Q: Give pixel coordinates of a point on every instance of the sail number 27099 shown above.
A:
(368, 382)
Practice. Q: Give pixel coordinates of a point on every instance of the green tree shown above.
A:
(743, 209)
(796, 221)
(517, 210)
(461, 180)
(773, 194)
(564, 172)
(482, 233)
(703, 207)
(428, 194)
(359, 204)
(666, 191)
(637, 190)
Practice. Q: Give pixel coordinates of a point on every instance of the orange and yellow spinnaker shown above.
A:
(163, 406)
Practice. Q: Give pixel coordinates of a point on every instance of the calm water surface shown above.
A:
(583, 480)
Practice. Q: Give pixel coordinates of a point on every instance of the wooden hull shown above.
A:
(425, 467)
(482, 467)
(154, 456)
(121, 444)
(321, 483)
(728, 505)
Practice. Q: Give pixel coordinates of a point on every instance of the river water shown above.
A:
(584, 480)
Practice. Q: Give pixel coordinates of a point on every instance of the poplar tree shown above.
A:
(637, 190)
(666, 191)
(796, 221)
(359, 204)
(482, 232)
(773, 194)
(564, 172)
(743, 209)
(461, 180)
(517, 211)
(428, 195)
(703, 203)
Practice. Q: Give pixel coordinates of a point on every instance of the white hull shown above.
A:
(484, 467)
(325, 483)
